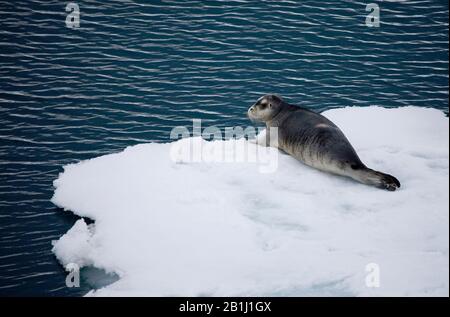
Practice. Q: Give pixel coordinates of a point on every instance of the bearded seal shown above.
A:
(316, 141)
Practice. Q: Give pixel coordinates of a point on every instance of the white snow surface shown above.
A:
(175, 228)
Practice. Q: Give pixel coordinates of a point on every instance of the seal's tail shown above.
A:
(377, 179)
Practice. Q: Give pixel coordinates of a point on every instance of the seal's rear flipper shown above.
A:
(377, 179)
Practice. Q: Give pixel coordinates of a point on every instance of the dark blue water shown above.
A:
(135, 69)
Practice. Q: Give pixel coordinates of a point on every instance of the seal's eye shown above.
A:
(263, 106)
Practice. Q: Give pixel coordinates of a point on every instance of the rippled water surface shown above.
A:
(135, 69)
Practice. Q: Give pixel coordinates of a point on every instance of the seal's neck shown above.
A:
(285, 110)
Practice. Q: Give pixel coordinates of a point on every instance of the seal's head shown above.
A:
(266, 108)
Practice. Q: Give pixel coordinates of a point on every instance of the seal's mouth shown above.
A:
(251, 114)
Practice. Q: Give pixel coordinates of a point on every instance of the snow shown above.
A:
(170, 227)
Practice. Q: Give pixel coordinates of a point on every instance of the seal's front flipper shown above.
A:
(262, 139)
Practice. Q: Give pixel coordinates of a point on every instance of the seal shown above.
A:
(316, 141)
